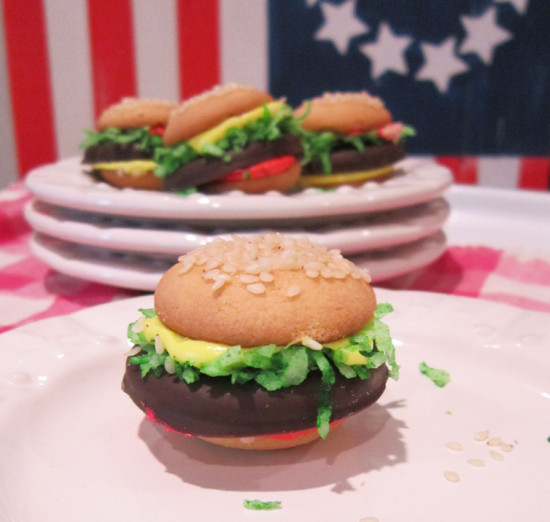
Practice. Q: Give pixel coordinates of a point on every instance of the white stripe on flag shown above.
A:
(243, 42)
(502, 171)
(156, 46)
(8, 172)
(70, 73)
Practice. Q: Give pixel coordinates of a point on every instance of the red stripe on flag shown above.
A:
(464, 168)
(112, 51)
(29, 81)
(199, 46)
(534, 173)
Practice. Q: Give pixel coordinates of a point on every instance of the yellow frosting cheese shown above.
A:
(349, 177)
(351, 357)
(217, 133)
(134, 167)
(183, 349)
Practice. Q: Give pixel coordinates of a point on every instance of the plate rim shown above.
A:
(400, 226)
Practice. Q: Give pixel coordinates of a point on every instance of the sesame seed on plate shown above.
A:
(478, 463)
(451, 476)
(454, 446)
(481, 436)
(496, 456)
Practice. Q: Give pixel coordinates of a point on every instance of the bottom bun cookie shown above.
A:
(266, 442)
(281, 182)
(355, 179)
(143, 181)
(352, 167)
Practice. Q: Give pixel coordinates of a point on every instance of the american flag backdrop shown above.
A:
(472, 76)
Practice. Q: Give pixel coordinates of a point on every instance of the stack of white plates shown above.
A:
(128, 238)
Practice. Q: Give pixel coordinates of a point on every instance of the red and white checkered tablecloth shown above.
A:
(30, 290)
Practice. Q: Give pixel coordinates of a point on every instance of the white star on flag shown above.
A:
(340, 25)
(387, 52)
(440, 64)
(520, 5)
(483, 35)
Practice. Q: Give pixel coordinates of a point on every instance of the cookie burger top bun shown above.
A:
(130, 113)
(265, 289)
(344, 112)
(207, 110)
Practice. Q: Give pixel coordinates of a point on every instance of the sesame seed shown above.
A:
(218, 284)
(451, 476)
(256, 288)
(211, 274)
(478, 463)
(326, 273)
(213, 263)
(454, 446)
(293, 291)
(134, 351)
(506, 447)
(253, 268)
(186, 266)
(481, 436)
(139, 325)
(494, 441)
(159, 346)
(170, 366)
(496, 456)
(311, 343)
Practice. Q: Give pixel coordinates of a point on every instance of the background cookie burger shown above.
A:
(232, 137)
(122, 148)
(348, 138)
(261, 342)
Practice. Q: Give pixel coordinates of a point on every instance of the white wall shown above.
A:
(8, 162)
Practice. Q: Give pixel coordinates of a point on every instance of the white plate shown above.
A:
(377, 230)
(65, 184)
(74, 446)
(142, 272)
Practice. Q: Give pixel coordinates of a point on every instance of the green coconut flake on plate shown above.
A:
(262, 505)
(438, 376)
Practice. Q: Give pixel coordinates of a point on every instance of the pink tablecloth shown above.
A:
(30, 291)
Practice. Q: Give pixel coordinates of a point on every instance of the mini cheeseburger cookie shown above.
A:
(349, 138)
(261, 342)
(122, 148)
(232, 137)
